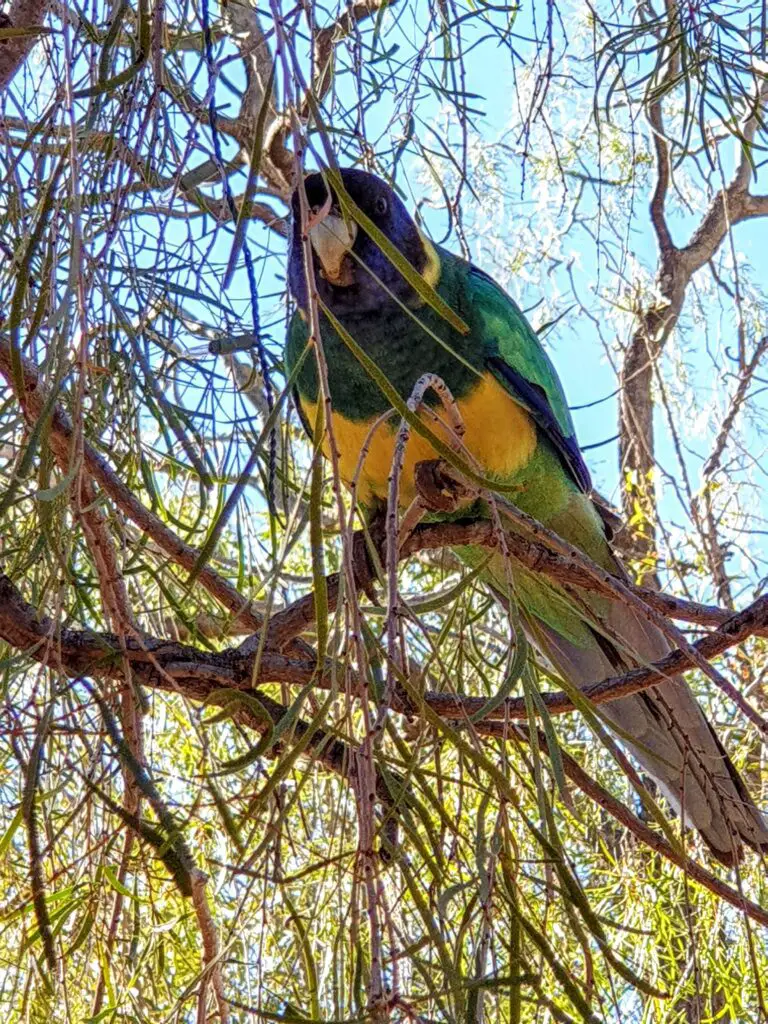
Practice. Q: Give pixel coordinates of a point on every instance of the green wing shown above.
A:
(518, 361)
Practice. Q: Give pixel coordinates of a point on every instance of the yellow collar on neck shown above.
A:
(431, 271)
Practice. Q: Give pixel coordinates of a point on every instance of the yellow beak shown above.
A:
(332, 238)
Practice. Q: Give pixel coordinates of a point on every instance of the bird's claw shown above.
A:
(440, 488)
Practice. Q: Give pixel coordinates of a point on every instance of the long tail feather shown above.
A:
(663, 727)
(675, 743)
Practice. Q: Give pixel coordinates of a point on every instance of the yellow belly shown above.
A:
(499, 434)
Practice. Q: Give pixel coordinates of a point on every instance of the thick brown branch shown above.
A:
(754, 206)
(666, 71)
(84, 652)
(658, 199)
(172, 667)
(738, 628)
(23, 14)
(242, 24)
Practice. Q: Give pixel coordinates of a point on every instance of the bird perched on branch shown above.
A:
(393, 307)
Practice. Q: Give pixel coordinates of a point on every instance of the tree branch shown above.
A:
(179, 668)
(535, 556)
(754, 206)
(730, 206)
(668, 60)
(23, 14)
(174, 668)
(631, 822)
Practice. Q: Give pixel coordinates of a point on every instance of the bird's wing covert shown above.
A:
(518, 361)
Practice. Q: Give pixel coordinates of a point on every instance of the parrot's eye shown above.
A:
(381, 205)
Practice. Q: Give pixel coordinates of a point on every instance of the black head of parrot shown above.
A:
(347, 262)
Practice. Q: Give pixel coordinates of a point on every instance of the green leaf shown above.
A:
(110, 873)
(21, 33)
(9, 833)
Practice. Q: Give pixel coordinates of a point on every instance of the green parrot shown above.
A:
(519, 431)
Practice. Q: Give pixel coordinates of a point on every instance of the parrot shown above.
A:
(518, 429)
